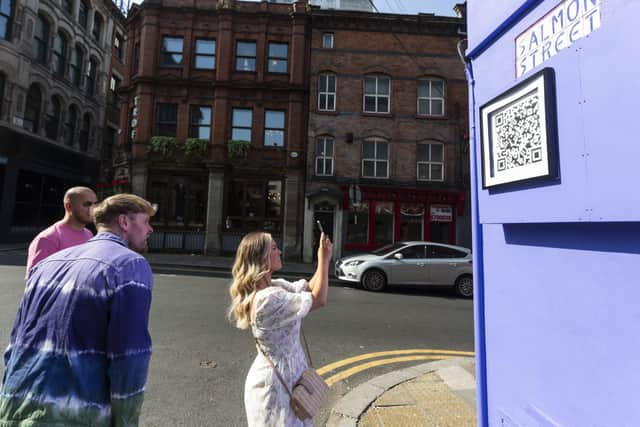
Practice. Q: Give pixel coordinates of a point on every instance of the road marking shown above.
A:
(359, 368)
(332, 366)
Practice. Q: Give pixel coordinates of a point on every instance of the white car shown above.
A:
(410, 263)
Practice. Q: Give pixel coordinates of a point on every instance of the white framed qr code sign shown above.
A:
(519, 133)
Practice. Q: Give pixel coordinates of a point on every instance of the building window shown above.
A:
(6, 17)
(376, 94)
(167, 119)
(181, 200)
(75, 66)
(32, 109)
(255, 205)
(37, 200)
(136, 57)
(241, 124)
(205, 54)
(274, 128)
(245, 56)
(60, 45)
(200, 119)
(41, 40)
(70, 119)
(118, 47)
(91, 77)
(431, 97)
(278, 61)
(113, 87)
(327, 92)
(83, 13)
(97, 26)
(85, 132)
(375, 159)
(358, 223)
(52, 119)
(67, 6)
(324, 156)
(430, 162)
(327, 40)
(171, 51)
(384, 223)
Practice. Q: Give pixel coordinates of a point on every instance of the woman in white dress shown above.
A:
(274, 309)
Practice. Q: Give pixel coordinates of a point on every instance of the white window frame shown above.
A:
(324, 156)
(375, 159)
(331, 38)
(430, 98)
(327, 92)
(429, 163)
(376, 95)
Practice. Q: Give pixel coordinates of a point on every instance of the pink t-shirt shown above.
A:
(53, 239)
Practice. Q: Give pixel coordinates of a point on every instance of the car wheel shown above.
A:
(464, 286)
(374, 280)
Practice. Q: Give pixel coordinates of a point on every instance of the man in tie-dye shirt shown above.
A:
(80, 346)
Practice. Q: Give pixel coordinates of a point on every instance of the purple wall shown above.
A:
(557, 276)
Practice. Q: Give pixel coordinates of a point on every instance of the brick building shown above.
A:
(387, 142)
(214, 112)
(54, 66)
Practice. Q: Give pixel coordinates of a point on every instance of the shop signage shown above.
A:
(441, 213)
(568, 22)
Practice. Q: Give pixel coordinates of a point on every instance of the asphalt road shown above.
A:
(200, 360)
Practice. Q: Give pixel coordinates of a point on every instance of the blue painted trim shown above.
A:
(478, 268)
(512, 20)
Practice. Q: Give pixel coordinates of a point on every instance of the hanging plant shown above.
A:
(238, 148)
(166, 145)
(196, 147)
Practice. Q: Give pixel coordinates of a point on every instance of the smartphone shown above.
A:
(319, 224)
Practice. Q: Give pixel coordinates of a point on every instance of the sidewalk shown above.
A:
(438, 393)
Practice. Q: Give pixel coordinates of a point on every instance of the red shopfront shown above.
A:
(380, 216)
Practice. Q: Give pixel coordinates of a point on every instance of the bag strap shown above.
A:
(286, 387)
(306, 346)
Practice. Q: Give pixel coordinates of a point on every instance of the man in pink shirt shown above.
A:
(69, 231)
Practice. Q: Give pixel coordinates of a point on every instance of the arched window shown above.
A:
(91, 77)
(53, 118)
(83, 13)
(70, 120)
(431, 97)
(75, 65)
(327, 92)
(377, 94)
(41, 40)
(97, 26)
(60, 46)
(67, 6)
(32, 109)
(7, 10)
(84, 132)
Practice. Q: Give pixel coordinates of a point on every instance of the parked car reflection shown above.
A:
(410, 263)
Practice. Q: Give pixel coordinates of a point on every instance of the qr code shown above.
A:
(518, 134)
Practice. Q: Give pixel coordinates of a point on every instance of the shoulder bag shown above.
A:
(308, 392)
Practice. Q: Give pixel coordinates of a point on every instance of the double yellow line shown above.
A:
(384, 358)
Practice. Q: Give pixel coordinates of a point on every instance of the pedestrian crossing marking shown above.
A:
(332, 366)
(359, 368)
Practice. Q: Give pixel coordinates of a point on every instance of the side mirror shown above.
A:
(398, 256)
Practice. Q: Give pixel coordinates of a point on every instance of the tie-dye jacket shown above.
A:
(80, 346)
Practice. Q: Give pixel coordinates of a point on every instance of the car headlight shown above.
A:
(353, 263)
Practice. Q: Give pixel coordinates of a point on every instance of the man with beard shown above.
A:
(80, 347)
(69, 231)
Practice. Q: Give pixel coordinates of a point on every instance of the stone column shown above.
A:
(292, 231)
(215, 199)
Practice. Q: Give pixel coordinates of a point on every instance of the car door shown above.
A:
(443, 264)
(410, 270)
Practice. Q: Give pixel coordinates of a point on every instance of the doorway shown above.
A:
(325, 213)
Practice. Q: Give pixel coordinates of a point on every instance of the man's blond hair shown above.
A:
(106, 212)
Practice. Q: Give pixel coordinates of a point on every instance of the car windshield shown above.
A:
(385, 250)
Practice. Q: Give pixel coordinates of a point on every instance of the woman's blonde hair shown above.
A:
(251, 265)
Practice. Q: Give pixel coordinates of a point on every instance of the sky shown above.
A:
(412, 7)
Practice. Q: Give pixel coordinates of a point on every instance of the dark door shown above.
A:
(324, 214)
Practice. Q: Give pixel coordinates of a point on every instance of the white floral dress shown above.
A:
(278, 312)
